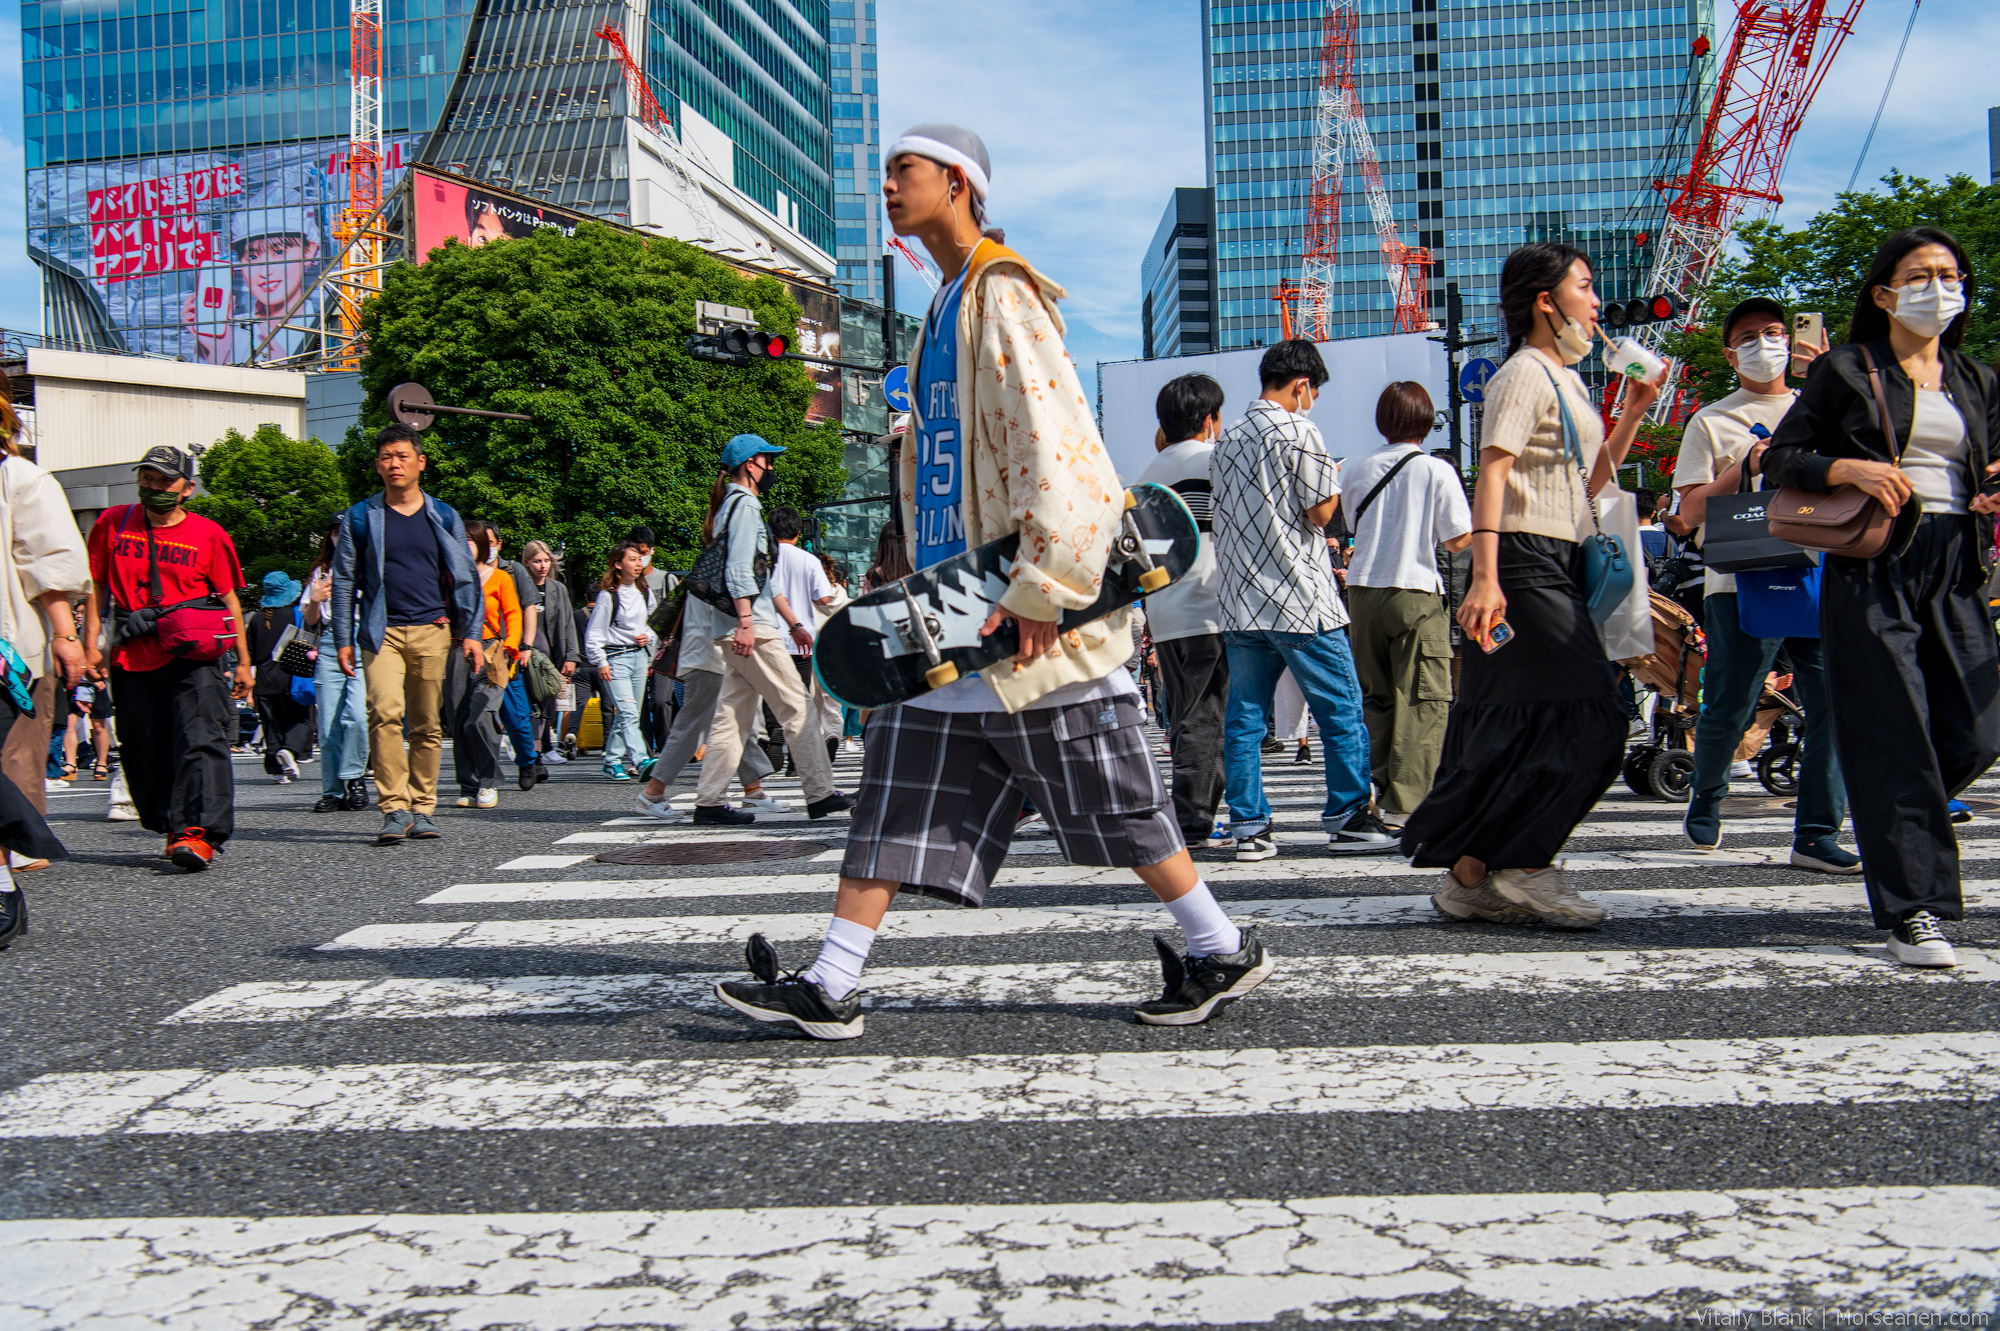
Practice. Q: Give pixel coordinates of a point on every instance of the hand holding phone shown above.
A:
(1808, 341)
(1497, 637)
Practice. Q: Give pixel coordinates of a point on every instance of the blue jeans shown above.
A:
(517, 718)
(1323, 665)
(1731, 683)
(626, 692)
(342, 703)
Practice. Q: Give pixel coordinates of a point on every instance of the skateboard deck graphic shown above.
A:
(902, 641)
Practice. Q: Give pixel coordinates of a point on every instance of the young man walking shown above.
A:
(802, 583)
(1003, 441)
(403, 554)
(175, 719)
(1275, 492)
(517, 713)
(1186, 618)
(1721, 439)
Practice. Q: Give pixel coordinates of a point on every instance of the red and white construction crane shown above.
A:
(654, 117)
(358, 272)
(924, 270)
(1778, 56)
(1341, 131)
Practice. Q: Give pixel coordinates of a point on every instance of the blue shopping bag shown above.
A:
(1778, 602)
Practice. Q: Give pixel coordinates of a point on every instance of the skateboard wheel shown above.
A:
(1153, 579)
(940, 675)
(1131, 500)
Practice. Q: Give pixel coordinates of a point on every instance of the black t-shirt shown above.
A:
(412, 568)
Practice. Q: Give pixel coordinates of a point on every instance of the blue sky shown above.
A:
(1092, 113)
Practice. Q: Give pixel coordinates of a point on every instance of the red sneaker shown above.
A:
(191, 851)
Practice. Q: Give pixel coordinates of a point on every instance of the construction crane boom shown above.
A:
(924, 270)
(359, 273)
(654, 117)
(1340, 131)
(1778, 56)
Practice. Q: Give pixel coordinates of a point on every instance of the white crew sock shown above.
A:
(1207, 930)
(841, 957)
(6, 877)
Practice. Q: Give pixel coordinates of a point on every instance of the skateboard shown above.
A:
(904, 640)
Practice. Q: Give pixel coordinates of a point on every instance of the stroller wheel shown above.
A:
(1671, 774)
(1639, 762)
(1778, 769)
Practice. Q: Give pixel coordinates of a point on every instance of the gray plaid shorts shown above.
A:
(941, 792)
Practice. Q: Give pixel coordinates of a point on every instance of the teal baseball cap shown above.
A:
(744, 447)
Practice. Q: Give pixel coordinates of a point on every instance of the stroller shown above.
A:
(1663, 766)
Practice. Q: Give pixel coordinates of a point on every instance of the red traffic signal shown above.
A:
(738, 346)
(774, 345)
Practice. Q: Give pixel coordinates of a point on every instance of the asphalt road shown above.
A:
(481, 1083)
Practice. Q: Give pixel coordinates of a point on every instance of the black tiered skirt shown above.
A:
(1537, 734)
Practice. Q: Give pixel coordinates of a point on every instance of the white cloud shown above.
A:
(1934, 124)
(1092, 114)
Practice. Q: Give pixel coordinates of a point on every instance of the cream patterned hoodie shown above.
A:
(1034, 464)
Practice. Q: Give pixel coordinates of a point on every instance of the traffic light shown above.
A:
(738, 346)
(1663, 308)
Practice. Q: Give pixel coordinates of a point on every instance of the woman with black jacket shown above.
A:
(1911, 664)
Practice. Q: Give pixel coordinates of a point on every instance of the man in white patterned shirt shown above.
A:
(1275, 490)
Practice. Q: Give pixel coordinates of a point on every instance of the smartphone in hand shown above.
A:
(1808, 330)
(1497, 637)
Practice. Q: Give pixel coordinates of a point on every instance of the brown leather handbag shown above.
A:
(1848, 521)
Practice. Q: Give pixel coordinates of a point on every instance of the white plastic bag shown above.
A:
(1628, 634)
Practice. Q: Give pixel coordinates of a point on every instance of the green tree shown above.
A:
(1819, 266)
(274, 495)
(587, 334)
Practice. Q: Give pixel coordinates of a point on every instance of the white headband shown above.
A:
(939, 151)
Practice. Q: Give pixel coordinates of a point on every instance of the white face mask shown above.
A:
(1764, 360)
(1573, 341)
(1929, 312)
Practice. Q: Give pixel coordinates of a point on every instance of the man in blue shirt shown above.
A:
(404, 554)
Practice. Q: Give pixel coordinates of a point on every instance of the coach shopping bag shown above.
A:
(1778, 603)
(1628, 629)
(1736, 534)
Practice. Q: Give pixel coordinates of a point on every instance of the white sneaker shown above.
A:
(122, 813)
(764, 804)
(54, 783)
(1548, 895)
(1740, 771)
(288, 765)
(553, 758)
(659, 809)
(485, 799)
(1918, 941)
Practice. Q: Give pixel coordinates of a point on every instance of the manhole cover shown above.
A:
(709, 852)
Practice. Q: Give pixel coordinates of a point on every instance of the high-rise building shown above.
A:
(186, 163)
(1177, 278)
(857, 150)
(1495, 123)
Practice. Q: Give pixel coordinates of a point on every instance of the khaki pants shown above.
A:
(1402, 652)
(25, 755)
(406, 683)
(767, 674)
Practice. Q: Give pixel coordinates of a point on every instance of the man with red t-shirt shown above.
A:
(174, 716)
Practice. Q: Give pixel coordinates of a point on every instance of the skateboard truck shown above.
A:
(922, 632)
(1130, 547)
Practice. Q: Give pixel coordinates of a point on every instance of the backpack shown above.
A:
(708, 580)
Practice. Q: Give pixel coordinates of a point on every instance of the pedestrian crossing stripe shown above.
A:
(1436, 976)
(1058, 1087)
(1694, 1257)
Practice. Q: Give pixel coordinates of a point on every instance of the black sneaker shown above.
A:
(721, 815)
(542, 771)
(1197, 987)
(1363, 834)
(1256, 846)
(789, 999)
(13, 915)
(357, 795)
(329, 804)
(834, 803)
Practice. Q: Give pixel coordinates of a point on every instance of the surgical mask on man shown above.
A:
(160, 501)
(1764, 360)
(1928, 311)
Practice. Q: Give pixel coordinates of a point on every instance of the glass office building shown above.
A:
(857, 151)
(1177, 279)
(186, 158)
(1495, 124)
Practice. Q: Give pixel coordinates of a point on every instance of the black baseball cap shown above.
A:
(1754, 305)
(172, 463)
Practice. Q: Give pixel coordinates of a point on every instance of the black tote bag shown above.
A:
(1737, 539)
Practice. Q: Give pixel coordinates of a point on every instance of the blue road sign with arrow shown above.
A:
(896, 388)
(1472, 379)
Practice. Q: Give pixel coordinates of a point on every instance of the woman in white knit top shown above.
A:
(1538, 732)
